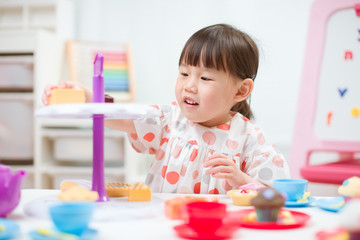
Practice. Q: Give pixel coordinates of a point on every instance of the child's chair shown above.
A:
(328, 109)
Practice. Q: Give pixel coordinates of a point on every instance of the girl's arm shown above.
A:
(125, 125)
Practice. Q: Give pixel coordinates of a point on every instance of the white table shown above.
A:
(158, 227)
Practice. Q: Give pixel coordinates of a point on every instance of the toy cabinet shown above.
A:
(34, 52)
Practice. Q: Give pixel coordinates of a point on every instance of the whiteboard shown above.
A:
(338, 99)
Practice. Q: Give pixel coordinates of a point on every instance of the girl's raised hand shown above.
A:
(67, 84)
(221, 166)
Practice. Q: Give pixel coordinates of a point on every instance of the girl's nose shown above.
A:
(190, 86)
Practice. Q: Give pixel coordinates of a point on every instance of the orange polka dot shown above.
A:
(214, 191)
(164, 140)
(226, 186)
(172, 177)
(224, 127)
(243, 165)
(160, 154)
(177, 151)
(261, 139)
(197, 187)
(278, 161)
(134, 136)
(247, 120)
(195, 174)
(152, 150)
(193, 142)
(193, 155)
(163, 172)
(149, 137)
(232, 144)
(183, 170)
(209, 137)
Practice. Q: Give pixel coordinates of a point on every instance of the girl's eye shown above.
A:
(205, 79)
(184, 74)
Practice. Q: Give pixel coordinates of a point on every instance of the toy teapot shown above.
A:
(10, 186)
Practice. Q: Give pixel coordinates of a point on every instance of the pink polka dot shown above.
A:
(177, 151)
(167, 129)
(197, 187)
(255, 164)
(193, 155)
(209, 137)
(160, 154)
(238, 155)
(261, 139)
(183, 170)
(149, 137)
(265, 154)
(214, 191)
(278, 161)
(174, 103)
(224, 127)
(195, 174)
(155, 106)
(135, 148)
(152, 150)
(193, 142)
(226, 186)
(134, 136)
(163, 171)
(232, 144)
(172, 177)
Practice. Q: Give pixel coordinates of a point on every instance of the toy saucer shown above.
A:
(48, 234)
(241, 215)
(299, 203)
(226, 231)
(8, 229)
(333, 204)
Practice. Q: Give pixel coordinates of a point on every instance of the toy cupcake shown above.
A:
(350, 188)
(267, 205)
(244, 194)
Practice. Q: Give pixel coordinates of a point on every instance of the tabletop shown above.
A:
(143, 220)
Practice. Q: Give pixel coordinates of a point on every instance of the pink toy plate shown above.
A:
(300, 220)
(226, 231)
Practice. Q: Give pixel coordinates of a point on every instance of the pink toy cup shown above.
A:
(205, 216)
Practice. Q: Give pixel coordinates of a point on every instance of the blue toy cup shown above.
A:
(293, 189)
(72, 218)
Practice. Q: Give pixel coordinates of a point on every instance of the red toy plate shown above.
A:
(226, 231)
(238, 216)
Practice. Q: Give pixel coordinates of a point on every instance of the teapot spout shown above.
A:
(16, 180)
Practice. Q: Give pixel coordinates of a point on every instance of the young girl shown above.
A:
(205, 143)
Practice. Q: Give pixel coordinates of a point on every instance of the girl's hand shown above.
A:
(224, 167)
(67, 84)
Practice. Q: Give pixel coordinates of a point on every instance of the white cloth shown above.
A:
(181, 147)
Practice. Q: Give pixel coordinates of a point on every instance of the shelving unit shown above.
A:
(35, 33)
(28, 15)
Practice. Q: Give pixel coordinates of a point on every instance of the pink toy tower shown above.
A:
(304, 140)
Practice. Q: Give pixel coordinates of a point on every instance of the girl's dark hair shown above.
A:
(224, 48)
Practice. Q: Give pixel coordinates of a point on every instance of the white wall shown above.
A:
(158, 29)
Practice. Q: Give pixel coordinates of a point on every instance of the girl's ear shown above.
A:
(245, 88)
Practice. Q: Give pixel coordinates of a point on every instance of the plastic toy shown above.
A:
(72, 218)
(10, 186)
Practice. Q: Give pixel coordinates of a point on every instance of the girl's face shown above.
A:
(204, 95)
